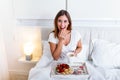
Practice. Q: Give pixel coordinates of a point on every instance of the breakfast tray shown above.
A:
(82, 75)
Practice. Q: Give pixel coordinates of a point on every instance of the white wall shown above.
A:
(83, 13)
(79, 9)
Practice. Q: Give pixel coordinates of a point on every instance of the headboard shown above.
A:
(84, 31)
(45, 32)
(107, 33)
(88, 33)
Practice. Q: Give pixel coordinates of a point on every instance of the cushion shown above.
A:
(46, 49)
(46, 58)
(83, 55)
(105, 53)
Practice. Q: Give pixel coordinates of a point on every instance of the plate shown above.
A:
(64, 69)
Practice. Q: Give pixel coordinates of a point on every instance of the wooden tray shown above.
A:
(80, 71)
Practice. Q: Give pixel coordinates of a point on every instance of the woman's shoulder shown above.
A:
(52, 38)
(51, 34)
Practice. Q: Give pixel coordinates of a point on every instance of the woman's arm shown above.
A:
(56, 49)
(78, 48)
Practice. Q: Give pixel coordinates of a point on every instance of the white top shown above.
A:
(75, 37)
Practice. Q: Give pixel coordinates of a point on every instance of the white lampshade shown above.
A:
(31, 41)
(28, 48)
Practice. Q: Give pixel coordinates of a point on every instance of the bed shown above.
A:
(101, 53)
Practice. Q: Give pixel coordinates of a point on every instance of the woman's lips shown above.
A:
(62, 28)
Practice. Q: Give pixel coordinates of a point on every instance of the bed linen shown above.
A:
(109, 74)
(42, 70)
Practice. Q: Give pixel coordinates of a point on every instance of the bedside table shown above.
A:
(23, 60)
(23, 75)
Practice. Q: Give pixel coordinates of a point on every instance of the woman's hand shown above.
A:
(79, 48)
(75, 53)
(62, 35)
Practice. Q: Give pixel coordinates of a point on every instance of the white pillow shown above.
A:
(46, 58)
(46, 49)
(106, 54)
(83, 55)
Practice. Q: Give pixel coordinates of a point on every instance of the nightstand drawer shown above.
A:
(16, 75)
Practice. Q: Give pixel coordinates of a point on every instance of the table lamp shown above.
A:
(28, 50)
(31, 42)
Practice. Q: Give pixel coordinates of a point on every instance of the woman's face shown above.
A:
(62, 22)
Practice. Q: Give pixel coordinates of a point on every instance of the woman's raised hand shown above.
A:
(62, 35)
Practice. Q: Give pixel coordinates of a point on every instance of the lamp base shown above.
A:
(28, 57)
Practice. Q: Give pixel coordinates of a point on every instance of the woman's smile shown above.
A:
(62, 28)
(62, 22)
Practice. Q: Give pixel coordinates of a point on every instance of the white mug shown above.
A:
(71, 57)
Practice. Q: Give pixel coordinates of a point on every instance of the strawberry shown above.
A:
(81, 67)
(63, 68)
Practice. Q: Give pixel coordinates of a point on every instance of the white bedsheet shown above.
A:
(42, 71)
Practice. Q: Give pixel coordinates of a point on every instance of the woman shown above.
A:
(63, 39)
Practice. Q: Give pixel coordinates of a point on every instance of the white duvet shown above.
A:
(42, 71)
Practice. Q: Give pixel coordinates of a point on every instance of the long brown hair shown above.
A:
(61, 13)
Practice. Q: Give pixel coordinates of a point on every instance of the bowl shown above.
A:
(70, 54)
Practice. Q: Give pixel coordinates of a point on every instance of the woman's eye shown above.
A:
(59, 20)
(65, 21)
